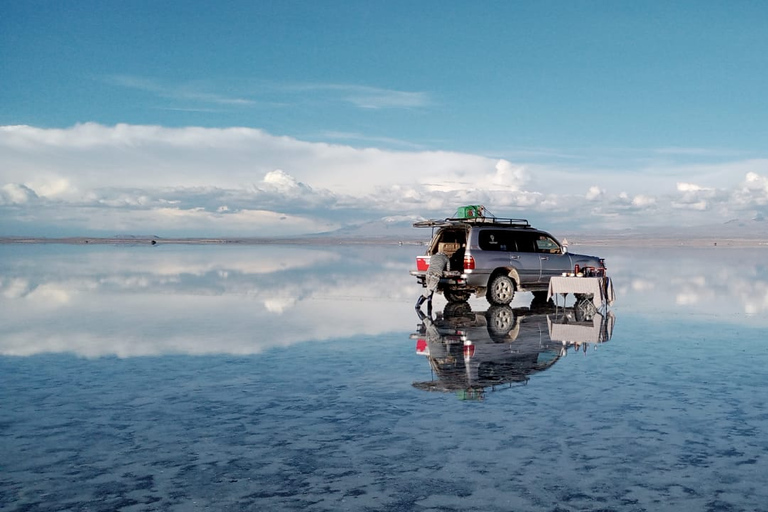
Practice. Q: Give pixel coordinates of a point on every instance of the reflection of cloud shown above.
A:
(49, 293)
(14, 288)
(642, 285)
(723, 282)
(686, 299)
(126, 302)
(756, 304)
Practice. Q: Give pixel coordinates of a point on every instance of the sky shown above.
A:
(264, 118)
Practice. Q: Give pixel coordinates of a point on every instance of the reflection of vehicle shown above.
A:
(470, 352)
(497, 257)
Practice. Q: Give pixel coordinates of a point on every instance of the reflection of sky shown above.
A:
(668, 415)
(728, 283)
(195, 299)
(141, 300)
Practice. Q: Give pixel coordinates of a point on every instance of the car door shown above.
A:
(495, 245)
(553, 261)
(525, 258)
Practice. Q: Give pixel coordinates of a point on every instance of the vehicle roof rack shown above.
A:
(433, 223)
(523, 223)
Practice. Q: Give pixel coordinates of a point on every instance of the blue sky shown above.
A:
(217, 118)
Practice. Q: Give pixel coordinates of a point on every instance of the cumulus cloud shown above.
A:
(594, 193)
(512, 177)
(753, 191)
(642, 201)
(14, 193)
(208, 181)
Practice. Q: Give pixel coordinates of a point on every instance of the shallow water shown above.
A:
(300, 377)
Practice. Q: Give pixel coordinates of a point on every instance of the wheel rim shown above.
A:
(502, 320)
(503, 289)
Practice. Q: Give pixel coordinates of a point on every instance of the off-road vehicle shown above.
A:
(496, 257)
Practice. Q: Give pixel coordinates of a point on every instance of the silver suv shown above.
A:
(497, 257)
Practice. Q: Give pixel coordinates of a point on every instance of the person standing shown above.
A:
(438, 263)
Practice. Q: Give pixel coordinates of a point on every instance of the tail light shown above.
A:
(469, 262)
(469, 350)
(422, 263)
(422, 346)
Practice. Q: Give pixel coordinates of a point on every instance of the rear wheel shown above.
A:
(456, 295)
(501, 290)
(457, 309)
(501, 320)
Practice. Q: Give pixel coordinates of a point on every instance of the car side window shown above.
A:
(526, 242)
(495, 240)
(546, 244)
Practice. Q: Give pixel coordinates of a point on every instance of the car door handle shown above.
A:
(545, 257)
(514, 257)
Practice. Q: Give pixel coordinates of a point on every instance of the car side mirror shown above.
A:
(565, 249)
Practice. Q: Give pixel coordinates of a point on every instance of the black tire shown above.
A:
(501, 290)
(501, 320)
(456, 295)
(457, 310)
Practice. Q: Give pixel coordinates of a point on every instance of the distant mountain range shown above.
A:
(735, 232)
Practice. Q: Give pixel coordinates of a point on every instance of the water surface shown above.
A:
(300, 377)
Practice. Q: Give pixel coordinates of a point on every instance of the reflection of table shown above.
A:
(601, 288)
(597, 330)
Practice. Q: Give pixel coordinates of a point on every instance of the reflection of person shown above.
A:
(430, 329)
(438, 263)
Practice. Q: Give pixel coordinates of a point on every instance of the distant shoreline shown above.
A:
(581, 241)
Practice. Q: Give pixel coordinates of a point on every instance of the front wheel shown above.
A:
(501, 290)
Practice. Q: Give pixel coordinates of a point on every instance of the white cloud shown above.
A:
(509, 176)
(212, 181)
(13, 193)
(753, 191)
(594, 193)
(365, 96)
(643, 201)
(193, 91)
(690, 187)
(284, 183)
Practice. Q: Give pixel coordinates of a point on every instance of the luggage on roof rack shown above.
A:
(471, 211)
(472, 214)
